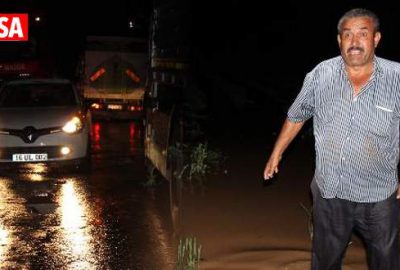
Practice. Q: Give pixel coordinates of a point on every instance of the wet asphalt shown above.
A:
(54, 217)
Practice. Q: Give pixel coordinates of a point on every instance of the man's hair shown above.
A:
(356, 13)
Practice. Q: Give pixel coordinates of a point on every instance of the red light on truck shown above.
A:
(96, 106)
(132, 75)
(97, 74)
(135, 108)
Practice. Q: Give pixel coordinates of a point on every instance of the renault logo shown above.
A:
(29, 134)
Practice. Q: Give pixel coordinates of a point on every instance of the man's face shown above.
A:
(358, 41)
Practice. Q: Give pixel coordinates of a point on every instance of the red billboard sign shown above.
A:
(14, 27)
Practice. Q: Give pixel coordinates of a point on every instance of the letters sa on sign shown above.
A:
(14, 27)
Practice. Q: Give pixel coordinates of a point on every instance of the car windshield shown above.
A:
(37, 95)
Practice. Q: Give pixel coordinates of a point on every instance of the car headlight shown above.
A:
(73, 126)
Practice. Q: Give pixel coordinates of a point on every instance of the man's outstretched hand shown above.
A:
(271, 167)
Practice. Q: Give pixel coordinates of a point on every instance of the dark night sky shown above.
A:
(274, 46)
(291, 29)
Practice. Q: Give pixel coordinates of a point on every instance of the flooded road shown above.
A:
(52, 217)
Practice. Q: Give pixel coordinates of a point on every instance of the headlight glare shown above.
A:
(73, 126)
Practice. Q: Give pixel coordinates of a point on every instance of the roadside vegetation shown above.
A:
(189, 254)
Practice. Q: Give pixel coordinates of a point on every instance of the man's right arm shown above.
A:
(288, 133)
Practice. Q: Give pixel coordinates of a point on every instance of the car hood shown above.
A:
(19, 118)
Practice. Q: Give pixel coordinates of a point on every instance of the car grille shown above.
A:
(29, 134)
(52, 151)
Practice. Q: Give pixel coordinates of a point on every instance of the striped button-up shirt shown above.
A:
(356, 137)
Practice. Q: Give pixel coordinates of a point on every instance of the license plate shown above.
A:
(29, 157)
(114, 107)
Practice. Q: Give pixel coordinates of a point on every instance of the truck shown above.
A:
(169, 66)
(112, 76)
(167, 90)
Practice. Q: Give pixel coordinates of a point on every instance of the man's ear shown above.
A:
(377, 38)
(339, 40)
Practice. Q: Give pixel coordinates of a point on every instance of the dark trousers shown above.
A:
(334, 221)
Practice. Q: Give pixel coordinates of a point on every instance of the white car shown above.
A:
(43, 121)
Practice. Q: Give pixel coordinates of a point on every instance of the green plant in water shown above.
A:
(151, 178)
(199, 160)
(189, 252)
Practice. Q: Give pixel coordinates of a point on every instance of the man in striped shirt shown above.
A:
(354, 100)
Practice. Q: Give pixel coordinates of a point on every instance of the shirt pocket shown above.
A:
(380, 120)
(325, 112)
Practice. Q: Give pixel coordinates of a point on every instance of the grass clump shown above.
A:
(189, 252)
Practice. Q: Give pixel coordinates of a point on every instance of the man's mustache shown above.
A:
(355, 48)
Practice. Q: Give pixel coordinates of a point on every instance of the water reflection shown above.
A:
(96, 127)
(35, 172)
(74, 228)
(159, 234)
(4, 241)
(132, 141)
(64, 238)
(10, 208)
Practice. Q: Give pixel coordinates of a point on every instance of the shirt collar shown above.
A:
(377, 71)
